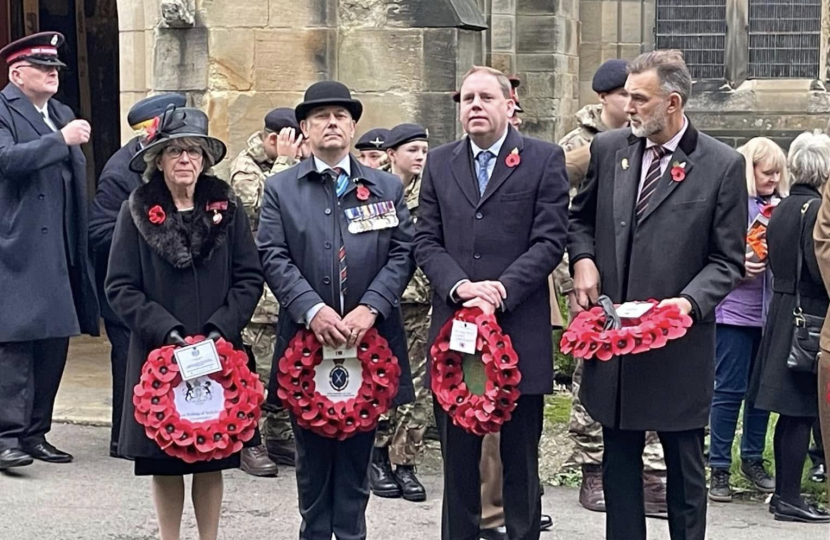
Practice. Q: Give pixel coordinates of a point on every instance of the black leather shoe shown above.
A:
(410, 486)
(48, 453)
(809, 514)
(773, 503)
(497, 533)
(545, 523)
(381, 478)
(14, 457)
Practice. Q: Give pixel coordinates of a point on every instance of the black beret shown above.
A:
(280, 118)
(40, 48)
(611, 75)
(149, 108)
(404, 133)
(374, 139)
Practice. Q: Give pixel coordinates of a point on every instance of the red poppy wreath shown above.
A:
(207, 418)
(476, 414)
(314, 411)
(587, 338)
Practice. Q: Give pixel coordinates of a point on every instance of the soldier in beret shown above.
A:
(115, 184)
(46, 276)
(372, 148)
(400, 438)
(277, 147)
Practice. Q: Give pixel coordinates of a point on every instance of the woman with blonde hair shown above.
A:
(740, 319)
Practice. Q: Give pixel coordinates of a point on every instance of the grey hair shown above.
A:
(671, 69)
(152, 155)
(809, 159)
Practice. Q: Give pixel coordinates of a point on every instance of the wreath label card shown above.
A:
(199, 400)
(463, 337)
(634, 310)
(198, 360)
(340, 353)
(339, 380)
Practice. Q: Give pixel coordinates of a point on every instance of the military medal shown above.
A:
(372, 216)
(216, 207)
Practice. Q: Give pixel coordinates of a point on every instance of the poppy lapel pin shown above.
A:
(513, 158)
(156, 215)
(362, 193)
(678, 171)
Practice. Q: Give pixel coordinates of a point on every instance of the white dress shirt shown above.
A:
(45, 114)
(494, 149)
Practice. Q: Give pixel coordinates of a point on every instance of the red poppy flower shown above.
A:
(605, 352)
(513, 159)
(623, 343)
(156, 215)
(362, 193)
(678, 174)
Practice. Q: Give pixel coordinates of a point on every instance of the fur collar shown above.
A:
(170, 239)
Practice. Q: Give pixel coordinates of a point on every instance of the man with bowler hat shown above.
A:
(490, 231)
(115, 184)
(371, 146)
(338, 281)
(46, 277)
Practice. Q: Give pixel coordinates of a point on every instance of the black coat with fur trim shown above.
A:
(192, 277)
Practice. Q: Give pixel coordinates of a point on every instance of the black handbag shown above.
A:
(804, 348)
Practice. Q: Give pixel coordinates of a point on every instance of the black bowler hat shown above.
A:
(179, 123)
(324, 93)
(374, 139)
(280, 118)
(148, 108)
(404, 133)
(40, 48)
(611, 75)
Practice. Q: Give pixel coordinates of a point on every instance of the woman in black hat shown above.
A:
(183, 262)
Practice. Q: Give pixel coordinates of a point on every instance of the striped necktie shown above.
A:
(341, 182)
(652, 179)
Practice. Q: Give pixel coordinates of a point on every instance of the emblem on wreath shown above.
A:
(339, 378)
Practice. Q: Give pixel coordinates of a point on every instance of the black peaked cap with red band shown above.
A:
(40, 48)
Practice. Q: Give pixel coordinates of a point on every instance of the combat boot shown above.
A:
(591, 495)
(255, 461)
(381, 478)
(411, 487)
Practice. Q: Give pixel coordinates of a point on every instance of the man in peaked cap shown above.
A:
(43, 224)
(371, 147)
(115, 184)
(277, 147)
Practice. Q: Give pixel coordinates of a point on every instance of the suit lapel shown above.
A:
(502, 172)
(462, 170)
(23, 106)
(666, 186)
(628, 165)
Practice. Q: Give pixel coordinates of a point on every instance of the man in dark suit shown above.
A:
(491, 230)
(46, 277)
(662, 214)
(339, 275)
(116, 183)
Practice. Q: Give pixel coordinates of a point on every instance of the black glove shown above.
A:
(215, 335)
(175, 338)
(612, 320)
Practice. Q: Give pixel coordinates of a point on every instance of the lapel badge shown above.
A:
(362, 193)
(513, 158)
(625, 164)
(678, 171)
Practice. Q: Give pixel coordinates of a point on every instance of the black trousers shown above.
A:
(462, 482)
(622, 477)
(332, 484)
(119, 338)
(30, 374)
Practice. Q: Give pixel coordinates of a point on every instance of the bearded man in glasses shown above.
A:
(46, 279)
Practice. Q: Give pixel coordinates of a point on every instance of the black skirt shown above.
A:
(177, 467)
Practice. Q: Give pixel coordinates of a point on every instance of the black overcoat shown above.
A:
(115, 184)
(161, 278)
(46, 274)
(690, 242)
(298, 240)
(774, 387)
(515, 233)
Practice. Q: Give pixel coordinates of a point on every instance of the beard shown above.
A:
(656, 123)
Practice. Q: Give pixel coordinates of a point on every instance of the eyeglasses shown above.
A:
(43, 68)
(175, 152)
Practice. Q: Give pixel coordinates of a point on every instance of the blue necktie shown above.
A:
(483, 159)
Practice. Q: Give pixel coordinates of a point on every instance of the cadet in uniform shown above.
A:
(46, 276)
(274, 149)
(116, 183)
(306, 244)
(400, 438)
(371, 147)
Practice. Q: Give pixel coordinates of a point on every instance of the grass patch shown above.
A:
(558, 408)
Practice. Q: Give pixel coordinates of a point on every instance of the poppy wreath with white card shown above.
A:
(337, 397)
(644, 326)
(208, 417)
(479, 391)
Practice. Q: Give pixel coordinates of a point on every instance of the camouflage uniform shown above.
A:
(248, 173)
(584, 430)
(403, 429)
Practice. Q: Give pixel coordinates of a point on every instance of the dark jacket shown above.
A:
(173, 276)
(773, 386)
(515, 233)
(298, 239)
(46, 275)
(116, 183)
(689, 242)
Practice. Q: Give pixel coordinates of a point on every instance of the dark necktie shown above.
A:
(652, 179)
(341, 182)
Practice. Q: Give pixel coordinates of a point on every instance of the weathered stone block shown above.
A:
(181, 59)
(548, 62)
(631, 25)
(411, 14)
(502, 32)
(610, 11)
(541, 128)
(629, 51)
(131, 14)
(590, 13)
(246, 113)
(382, 60)
(233, 13)
(504, 7)
(440, 59)
(308, 13)
(231, 59)
(590, 58)
(388, 110)
(502, 62)
(547, 34)
(132, 69)
(564, 8)
(291, 60)
(438, 113)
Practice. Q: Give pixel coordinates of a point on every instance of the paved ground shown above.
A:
(98, 498)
